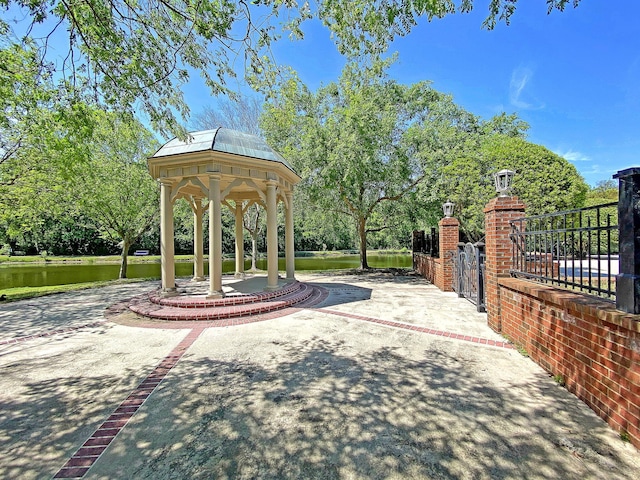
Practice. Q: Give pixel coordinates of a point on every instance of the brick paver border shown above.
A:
(417, 328)
(91, 450)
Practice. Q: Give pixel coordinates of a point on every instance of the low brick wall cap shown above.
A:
(504, 203)
(449, 222)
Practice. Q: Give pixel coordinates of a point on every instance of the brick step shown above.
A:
(144, 306)
(201, 301)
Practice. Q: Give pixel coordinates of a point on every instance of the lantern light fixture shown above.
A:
(504, 181)
(447, 208)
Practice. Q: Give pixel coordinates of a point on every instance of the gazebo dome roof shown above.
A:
(223, 140)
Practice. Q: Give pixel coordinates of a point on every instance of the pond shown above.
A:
(36, 275)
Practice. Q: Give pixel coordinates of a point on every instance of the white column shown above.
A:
(215, 238)
(272, 237)
(198, 243)
(289, 249)
(167, 259)
(239, 241)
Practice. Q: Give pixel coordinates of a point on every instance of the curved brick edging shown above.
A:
(186, 310)
(239, 299)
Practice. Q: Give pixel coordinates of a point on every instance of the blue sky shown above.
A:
(574, 76)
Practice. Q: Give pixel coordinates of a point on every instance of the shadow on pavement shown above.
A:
(322, 414)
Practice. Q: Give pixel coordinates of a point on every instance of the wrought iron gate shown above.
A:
(468, 280)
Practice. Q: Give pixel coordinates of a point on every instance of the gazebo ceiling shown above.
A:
(245, 163)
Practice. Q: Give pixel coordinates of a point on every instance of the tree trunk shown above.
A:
(123, 259)
(362, 235)
(254, 249)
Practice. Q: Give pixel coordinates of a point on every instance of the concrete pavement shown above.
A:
(387, 377)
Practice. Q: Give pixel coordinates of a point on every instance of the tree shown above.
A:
(38, 141)
(605, 191)
(240, 113)
(115, 189)
(545, 181)
(139, 54)
(349, 142)
(254, 224)
(24, 88)
(36, 114)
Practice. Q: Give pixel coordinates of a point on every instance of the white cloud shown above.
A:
(520, 78)
(574, 156)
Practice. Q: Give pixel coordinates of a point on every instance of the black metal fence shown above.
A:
(426, 243)
(576, 249)
(469, 273)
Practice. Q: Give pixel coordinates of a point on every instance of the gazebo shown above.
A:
(223, 167)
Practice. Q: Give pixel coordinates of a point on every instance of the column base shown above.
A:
(215, 294)
(240, 275)
(169, 292)
(271, 289)
(291, 279)
(198, 279)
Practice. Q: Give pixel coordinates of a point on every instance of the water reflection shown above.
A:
(36, 275)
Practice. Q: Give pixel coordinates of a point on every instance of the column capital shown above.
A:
(167, 182)
(215, 175)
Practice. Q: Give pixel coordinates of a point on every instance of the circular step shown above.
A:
(200, 308)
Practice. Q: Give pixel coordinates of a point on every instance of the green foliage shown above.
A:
(363, 27)
(388, 156)
(50, 203)
(132, 55)
(544, 181)
(605, 191)
(349, 143)
(114, 189)
(560, 380)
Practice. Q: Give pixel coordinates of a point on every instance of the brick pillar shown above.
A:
(498, 248)
(447, 241)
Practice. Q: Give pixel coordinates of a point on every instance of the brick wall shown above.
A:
(428, 267)
(439, 271)
(585, 341)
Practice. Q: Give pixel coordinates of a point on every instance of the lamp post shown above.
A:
(503, 180)
(447, 208)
